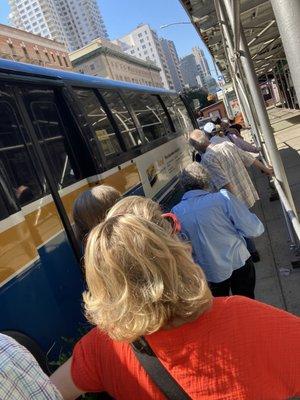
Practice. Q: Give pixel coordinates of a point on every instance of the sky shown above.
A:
(122, 16)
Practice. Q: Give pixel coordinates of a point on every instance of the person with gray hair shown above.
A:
(227, 165)
(216, 223)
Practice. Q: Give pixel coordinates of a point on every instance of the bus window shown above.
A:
(98, 121)
(4, 212)
(168, 101)
(182, 114)
(52, 135)
(8, 204)
(123, 118)
(149, 113)
(18, 172)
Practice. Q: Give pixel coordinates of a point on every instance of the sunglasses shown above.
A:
(174, 221)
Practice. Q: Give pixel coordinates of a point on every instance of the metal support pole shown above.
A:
(278, 88)
(286, 103)
(261, 110)
(287, 85)
(239, 86)
(287, 14)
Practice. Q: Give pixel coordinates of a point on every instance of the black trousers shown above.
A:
(241, 282)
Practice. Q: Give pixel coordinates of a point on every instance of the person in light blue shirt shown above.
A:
(216, 224)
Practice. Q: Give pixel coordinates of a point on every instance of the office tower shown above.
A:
(173, 62)
(201, 62)
(189, 71)
(72, 22)
(143, 43)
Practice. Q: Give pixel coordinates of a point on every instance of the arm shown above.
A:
(82, 372)
(249, 160)
(63, 381)
(242, 144)
(267, 170)
(245, 222)
(229, 187)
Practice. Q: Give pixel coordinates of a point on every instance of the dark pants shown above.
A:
(250, 245)
(241, 282)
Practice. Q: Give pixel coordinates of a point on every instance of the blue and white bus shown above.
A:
(61, 133)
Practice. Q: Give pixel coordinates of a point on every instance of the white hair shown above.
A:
(194, 176)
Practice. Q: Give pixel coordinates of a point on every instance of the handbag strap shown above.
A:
(157, 372)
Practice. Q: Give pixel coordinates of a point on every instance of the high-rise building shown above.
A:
(72, 22)
(173, 62)
(143, 43)
(201, 62)
(189, 71)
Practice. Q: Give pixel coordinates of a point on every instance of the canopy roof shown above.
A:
(260, 28)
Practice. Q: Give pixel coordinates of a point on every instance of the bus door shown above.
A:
(41, 172)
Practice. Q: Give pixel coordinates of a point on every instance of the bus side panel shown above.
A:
(44, 302)
(160, 167)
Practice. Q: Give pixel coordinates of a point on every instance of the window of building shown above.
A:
(144, 46)
(25, 52)
(140, 35)
(149, 113)
(98, 122)
(59, 60)
(65, 61)
(142, 41)
(47, 56)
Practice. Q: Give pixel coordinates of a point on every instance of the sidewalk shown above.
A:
(277, 283)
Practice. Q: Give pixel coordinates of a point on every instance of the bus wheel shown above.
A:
(32, 347)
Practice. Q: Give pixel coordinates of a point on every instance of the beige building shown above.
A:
(104, 58)
(18, 45)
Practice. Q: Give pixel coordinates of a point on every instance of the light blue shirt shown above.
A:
(216, 224)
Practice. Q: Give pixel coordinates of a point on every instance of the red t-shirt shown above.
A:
(239, 349)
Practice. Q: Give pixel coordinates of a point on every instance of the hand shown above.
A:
(269, 171)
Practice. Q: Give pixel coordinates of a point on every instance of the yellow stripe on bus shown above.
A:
(19, 243)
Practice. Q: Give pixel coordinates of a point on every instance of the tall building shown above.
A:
(189, 71)
(173, 62)
(201, 62)
(74, 23)
(143, 43)
(104, 58)
(18, 45)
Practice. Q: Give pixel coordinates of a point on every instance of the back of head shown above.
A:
(211, 129)
(90, 208)
(143, 207)
(140, 278)
(199, 140)
(194, 177)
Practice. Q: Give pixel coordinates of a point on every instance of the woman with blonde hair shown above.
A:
(144, 284)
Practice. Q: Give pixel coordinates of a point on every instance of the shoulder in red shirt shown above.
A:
(238, 350)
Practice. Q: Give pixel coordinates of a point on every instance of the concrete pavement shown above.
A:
(277, 283)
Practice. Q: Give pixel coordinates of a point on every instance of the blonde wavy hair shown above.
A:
(140, 277)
